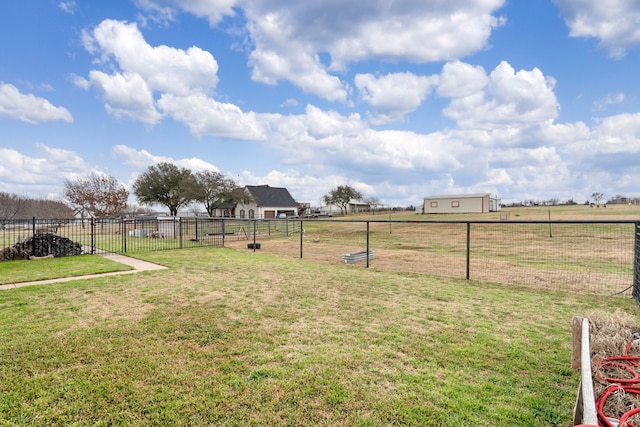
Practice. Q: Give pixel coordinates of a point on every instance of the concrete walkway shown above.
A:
(138, 265)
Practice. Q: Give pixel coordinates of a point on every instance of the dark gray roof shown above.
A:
(271, 196)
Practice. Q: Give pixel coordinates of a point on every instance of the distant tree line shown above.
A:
(620, 199)
(13, 206)
(597, 199)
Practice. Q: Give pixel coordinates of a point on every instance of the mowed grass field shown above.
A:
(233, 337)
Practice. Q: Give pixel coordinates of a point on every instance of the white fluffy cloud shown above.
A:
(286, 38)
(143, 70)
(615, 23)
(614, 135)
(45, 171)
(318, 137)
(142, 159)
(394, 95)
(415, 31)
(459, 80)
(163, 68)
(281, 56)
(126, 95)
(29, 108)
(206, 116)
(505, 98)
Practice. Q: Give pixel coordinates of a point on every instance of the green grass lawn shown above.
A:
(237, 338)
(53, 268)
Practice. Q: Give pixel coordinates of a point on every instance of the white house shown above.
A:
(269, 202)
(461, 203)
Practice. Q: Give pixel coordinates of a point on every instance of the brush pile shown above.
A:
(41, 245)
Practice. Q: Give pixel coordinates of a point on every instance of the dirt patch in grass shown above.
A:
(116, 304)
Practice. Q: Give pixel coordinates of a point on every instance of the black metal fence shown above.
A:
(584, 256)
(141, 234)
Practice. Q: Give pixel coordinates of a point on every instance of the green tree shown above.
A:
(214, 188)
(97, 195)
(341, 196)
(167, 185)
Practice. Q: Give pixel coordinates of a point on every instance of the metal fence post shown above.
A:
(368, 243)
(468, 249)
(254, 235)
(93, 236)
(636, 264)
(124, 234)
(300, 239)
(33, 241)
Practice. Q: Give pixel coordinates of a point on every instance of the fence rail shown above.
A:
(584, 256)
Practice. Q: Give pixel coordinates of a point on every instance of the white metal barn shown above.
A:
(461, 203)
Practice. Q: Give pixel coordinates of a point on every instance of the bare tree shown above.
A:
(96, 195)
(373, 203)
(597, 197)
(11, 205)
(51, 209)
(214, 188)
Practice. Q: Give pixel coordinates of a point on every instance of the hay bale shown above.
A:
(610, 333)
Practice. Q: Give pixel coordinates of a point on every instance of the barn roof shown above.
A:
(271, 196)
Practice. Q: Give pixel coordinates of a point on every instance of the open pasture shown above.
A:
(567, 253)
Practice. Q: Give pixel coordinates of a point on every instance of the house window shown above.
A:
(434, 204)
(242, 213)
(251, 213)
(455, 204)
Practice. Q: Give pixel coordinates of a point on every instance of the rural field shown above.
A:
(564, 254)
(232, 337)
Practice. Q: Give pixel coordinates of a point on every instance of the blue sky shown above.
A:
(527, 100)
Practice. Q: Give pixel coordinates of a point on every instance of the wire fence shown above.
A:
(600, 257)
